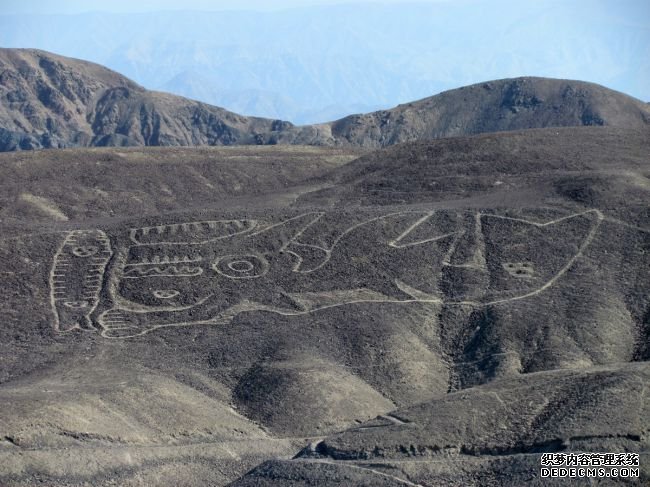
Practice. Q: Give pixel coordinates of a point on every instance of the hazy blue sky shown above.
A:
(316, 60)
(79, 6)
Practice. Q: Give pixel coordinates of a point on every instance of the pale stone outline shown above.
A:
(419, 296)
(91, 281)
(174, 227)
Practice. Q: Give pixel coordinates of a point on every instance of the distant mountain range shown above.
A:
(312, 64)
(50, 101)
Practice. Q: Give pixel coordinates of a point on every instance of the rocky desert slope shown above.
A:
(49, 101)
(433, 313)
(501, 105)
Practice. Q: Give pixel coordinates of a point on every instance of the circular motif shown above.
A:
(241, 266)
(75, 304)
(165, 293)
(85, 250)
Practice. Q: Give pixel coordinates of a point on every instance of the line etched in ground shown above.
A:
(209, 282)
(76, 278)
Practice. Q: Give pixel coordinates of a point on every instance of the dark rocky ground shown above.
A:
(434, 313)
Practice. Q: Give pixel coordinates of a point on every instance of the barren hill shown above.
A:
(52, 101)
(434, 313)
(502, 105)
(517, 166)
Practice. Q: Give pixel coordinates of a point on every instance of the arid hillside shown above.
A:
(49, 101)
(494, 106)
(433, 313)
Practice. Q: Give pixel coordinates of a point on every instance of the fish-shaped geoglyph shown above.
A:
(205, 273)
(76, 278)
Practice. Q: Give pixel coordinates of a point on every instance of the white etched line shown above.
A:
(84, 285)
(366, 469)
(395, 242)
(419, 297)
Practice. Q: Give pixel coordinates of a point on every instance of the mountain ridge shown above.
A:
(346, 56)
(50, 101)
(491, 106)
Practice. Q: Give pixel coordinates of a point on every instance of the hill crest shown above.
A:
(50, 101)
